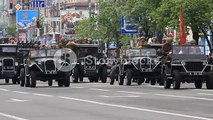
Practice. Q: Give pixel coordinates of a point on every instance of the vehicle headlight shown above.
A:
(0, 63)
(204, 63)
(184, 63)
(16, 63)
(39, 62)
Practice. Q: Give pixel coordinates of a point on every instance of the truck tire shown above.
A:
(50, 82)
(167, 84)
(27, 81)
(198, 84)
(129, 77)
(75, 75)
(33, 79)
(153, 81)
(113, 76)
(22, 77)
(14, 80)
(176, 79)
(121, 79)
(60, 82)
(67, 80)
(7, 80)
(90, 79)
(140, 81)
(104, 75)
(209, 83)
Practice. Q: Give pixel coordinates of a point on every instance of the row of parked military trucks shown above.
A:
(25, 65)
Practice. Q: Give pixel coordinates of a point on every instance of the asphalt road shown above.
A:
(98, 101)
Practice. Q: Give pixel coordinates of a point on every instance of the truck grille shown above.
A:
(145, 63)
(90, 63)
(194, 66)
(8, 64)
(49, 64)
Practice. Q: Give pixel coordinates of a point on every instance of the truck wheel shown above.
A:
(129, 77)
(121, 79)
(113, 76)
(33, 79)
(67, 80)
(60, 82)
(167, 84)
(7, 80)
(81, 78)
(209, 83)
(22, 77)
(161, 79)
(104, 75)
(153, 82)
(90, 79)
(140, 81)
(198, 84)
(14, 80)
(75, 75)
(176, 79)
(50, 82)
(95, 79)
(27, 81)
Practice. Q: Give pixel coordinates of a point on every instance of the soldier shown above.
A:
(167, 47)
(141, 42)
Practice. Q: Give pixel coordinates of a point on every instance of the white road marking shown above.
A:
(99, 89)
(205, 94)
(1, 89)
(43, 95)
(18, 100)
(155, 86)
(12, 117)
(138, 93)
(185, 97)
(21, 92)
(78, 87)
(129, 96)
(203, 90)
(135, 108)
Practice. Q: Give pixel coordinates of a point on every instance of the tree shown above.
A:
(140, 11)
(196, 14)
(11, 30)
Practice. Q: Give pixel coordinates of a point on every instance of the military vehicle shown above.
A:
(140, 63)
(91, 63)
(187, 64)
(11, 63)
(48, 65)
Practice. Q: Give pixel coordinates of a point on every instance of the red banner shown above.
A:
(182, 28)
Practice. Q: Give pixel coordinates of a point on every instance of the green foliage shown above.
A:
(11, 30)
(156, 16)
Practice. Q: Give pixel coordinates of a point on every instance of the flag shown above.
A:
(182, 28)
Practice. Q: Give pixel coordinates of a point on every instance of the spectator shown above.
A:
(210, 58)
(141, 42)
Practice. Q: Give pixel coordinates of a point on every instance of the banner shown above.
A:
(26, 19)
(71, 18)
(182, 28)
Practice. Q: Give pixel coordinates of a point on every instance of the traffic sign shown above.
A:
(1, 33)
(18, 6)
(127, 27)
(4, 13)
(37, 3)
